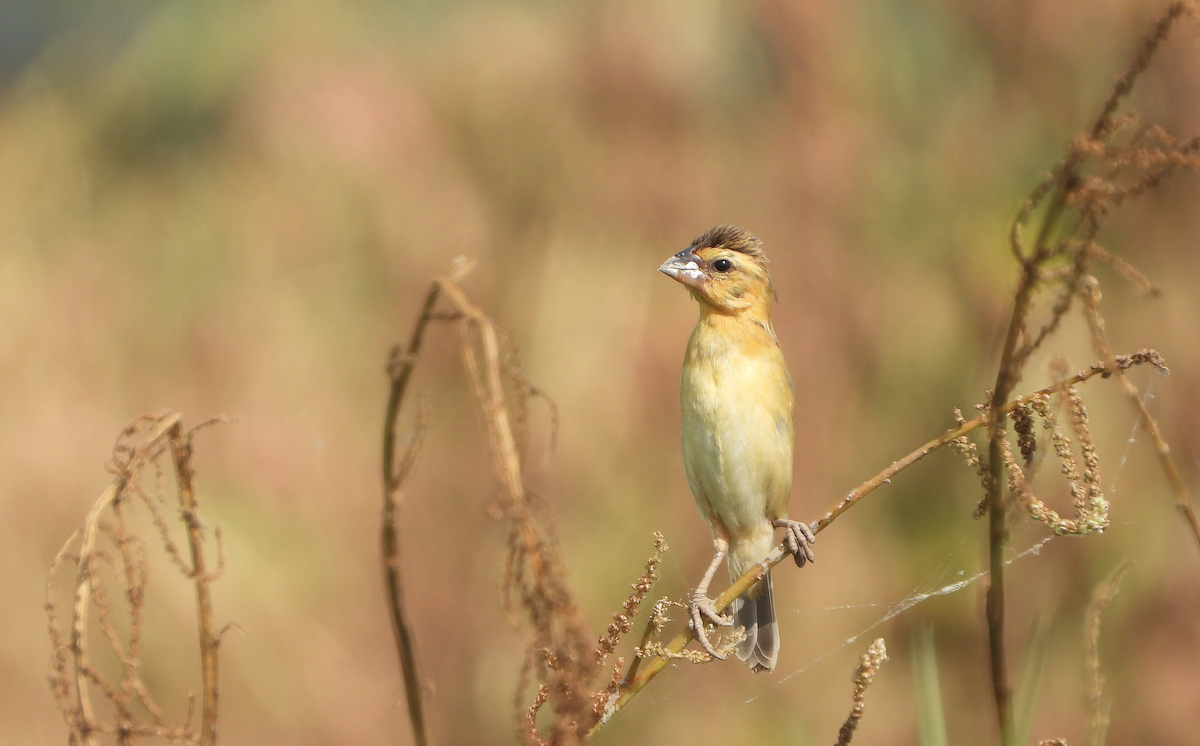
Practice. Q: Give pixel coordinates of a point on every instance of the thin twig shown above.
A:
(84, 584)
(396, 470)
(558, 653)
(1183, 502)
(181, 452)
(1104, 594)
(1103, 125)
(534, 571)
(400, 368)
(83, 591)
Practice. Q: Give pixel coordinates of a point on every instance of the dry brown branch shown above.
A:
(638, 678)
(396, 470)
(559, 660)
(73, 673)
(1183, 501)
(1097, 710)
(181, 452)
(1097, 174)
(1127, 270)
(868, 666)
(534, 577)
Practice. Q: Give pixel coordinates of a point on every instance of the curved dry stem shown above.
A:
(74, 676)
(1183, 501)
(396, 469)
(181, 453)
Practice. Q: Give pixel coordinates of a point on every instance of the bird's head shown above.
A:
(724, 269)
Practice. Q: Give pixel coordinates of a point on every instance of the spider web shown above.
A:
(893, 610)
(935, 585)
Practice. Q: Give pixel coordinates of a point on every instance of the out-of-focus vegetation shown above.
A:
(235, 208)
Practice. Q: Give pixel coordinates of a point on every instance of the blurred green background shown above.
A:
(236, 207)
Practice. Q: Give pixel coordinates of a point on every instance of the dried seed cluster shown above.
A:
(1090, 506)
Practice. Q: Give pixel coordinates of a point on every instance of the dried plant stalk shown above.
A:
(1098, 712)
(868, 666)
(396, 470)
(559, 658)
(73, 674)
(1097, 174)
(1183, 501)
(181, 452)
(534, 573)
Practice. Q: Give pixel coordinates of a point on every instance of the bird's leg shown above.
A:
(702, 607)
(799, 538)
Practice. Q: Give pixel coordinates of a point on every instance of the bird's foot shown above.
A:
(702, 608)
(798, 537)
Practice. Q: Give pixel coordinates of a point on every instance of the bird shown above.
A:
(738, 431)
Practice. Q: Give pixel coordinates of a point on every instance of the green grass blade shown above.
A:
(1031, 679)
(931, 720)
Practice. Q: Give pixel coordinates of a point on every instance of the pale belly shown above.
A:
(737, 444)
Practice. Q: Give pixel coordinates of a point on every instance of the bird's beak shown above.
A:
(684, 267)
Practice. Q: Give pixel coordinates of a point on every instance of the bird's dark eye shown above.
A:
(722, 265)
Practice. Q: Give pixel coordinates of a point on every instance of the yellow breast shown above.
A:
(737, 424)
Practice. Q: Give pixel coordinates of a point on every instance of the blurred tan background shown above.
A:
(235, 208)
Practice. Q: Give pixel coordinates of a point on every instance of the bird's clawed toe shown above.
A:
(798, 537)
(700, 609)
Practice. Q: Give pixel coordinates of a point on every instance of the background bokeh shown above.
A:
(235, 208)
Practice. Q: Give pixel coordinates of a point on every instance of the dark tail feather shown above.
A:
(760, 649)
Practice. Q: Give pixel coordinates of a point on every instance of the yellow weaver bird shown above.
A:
(738, 433)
